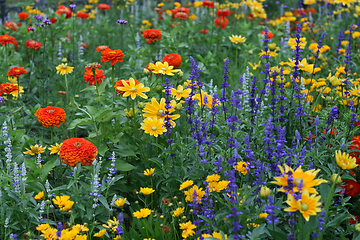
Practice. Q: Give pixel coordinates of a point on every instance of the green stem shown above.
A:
(113, 80)
(96, 86)
(67, 90)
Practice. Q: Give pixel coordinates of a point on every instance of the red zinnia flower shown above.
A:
(11, 25)
(8, 88)
(120, 84)
(113, 56)
(63, 10)
(208, 4)
(76, 150)
(23, 15)
(221, 22)
(16, 71)
(173, 59)
(151, 35)
(89, 76)
(33, 44)
(332, 131)
(352, 188)
(353, 221)
(356, 154)
(103, 6)
(51, 116)
(82, 15)
(270, 34)
(53, 20)
(223, 12)
(180, 9)
(181, 15)
(101, 48)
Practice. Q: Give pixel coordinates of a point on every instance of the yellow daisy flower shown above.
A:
(120, 202)
(100, 233)
(345, 161)
(180, 92)
(163, 68)
(133, 90)
(55, 149)
(149, 172)
(187, 229)
(35, 150)
(186, 184)
(157, 109)
(64, 69)
(237, 39)
(39, 196)
(153, 126)
(146, 190)
(142, 213)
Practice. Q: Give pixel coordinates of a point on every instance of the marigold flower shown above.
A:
(7, 88)
(187, 229)
(151, 35)
(39, 196)
(33, 44)
(345, 161)
(89, 76)
(186, 184)
(173, 59)
(149, 172)
(307, 205)
(35, 150)
(221, 22)
(100, 233)
(64, 10)
(104, 6)
(23, 15)
(113, 56)
(76, 150)
(142, 213)
(132, 89)
(64, 69)
(16, 71)
(119, 84)
(51, 116)
(120, 202)
(55, 149)
(146, 190)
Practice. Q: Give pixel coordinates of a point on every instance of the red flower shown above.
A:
(53, 20)
(112, 55)
(181, 15)
(63, 10)
(89, 76)
(23, 15)
(353, 221)
(101, 48)
(76, 150)
(223, 12)
(11, 25)
(173, 59)
(84, 45)
(51, 116)
(208, 4)
(181, 9)
(16, 71)
(151, 35)
(332, 131)
(204, 31)
(33, 44)
(8, 88)
(103, 6)
(270, 34)
(82, 15)
(356, 154)
(221, 22)
(4, 39)
(352, 188)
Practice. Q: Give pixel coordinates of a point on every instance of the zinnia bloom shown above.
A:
(133, 90)
(270, 34)
(104, 6)
(181, 15)
(299, 176)
(64, 69)
(82, 15)
(33, 44)
(112, 55)
(146, 190)
(51, 116)
(345, 161)
(8, 88)
(307, 205)
(11, 25)
(223, 12)
(163, 68)
(151, 35)
(101, 48)
(35, 150)
(23, 15)
(153, 126)
(187, 229)
(63, 10)
(89, 76)
(237, 39)
(16, 72)
(143, 213)
(209, 4)
(173, 59)
(4, 39)
(76, 150)
(221, 22)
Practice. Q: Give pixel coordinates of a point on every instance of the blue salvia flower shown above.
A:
(13, 236)
(112, 169)
(282, 97)
(269, 209)
(16, 179)
(167, 119)
(41, 210)
(340, 37)
(59, 229)
(225, 84)
(72, 7)
(253, 103)
(218, 163)
(121, 22)
(194, 76)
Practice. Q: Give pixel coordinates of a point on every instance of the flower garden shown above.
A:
(152, 120)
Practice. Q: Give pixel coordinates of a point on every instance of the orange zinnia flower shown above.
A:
(89, 76)
(4, 39)
(76, 150)
(101, 48)
(209, 4)
(223, 12)
(151, 35)
(51, 116)
(33, 44)
(11, 25)
(16, 71)
(64, 10)
(173, 59)
(82, 15)
(181, 15)
(221, 22)
(120, 83)
(8, 88)
(113, 56)
(103, 6)
(23, 15)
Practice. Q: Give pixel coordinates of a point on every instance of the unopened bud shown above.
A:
(141, 105)
(159, 88)
(146, 71)
(180, 73)
(264, 192)
(178, 106)
(272, 46)
(333, 177)
(357, 227)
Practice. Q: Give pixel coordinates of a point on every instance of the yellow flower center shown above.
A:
(133, 89)
(180, 92)
(35, 149)
(160, 112)
(77, 144)
(297, 181)
(304, 207)
(17, 70)
(51, 111)
(63, 67)
(154, 128)
(301, 65)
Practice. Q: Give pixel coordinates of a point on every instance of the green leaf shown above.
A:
(101, 88)
(90, 88)
(102, 199)
(123, 166)
(92, 110)
(100, 114)
(102, 149)
(46, 169)
(80, 122)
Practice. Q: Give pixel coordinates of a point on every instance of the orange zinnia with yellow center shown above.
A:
(51, 116)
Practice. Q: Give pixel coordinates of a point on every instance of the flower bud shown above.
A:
(159, 88)
(141, 105)
(178, 106)
(130, 113)
(146, 72)
(250, 51)
(333, 177)
(357, 227)
(264, 191)
(183, 217)
(170, 205)
(161, 216)
(64, 60)
(179, 203)
(272, 46)
(180, 73)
